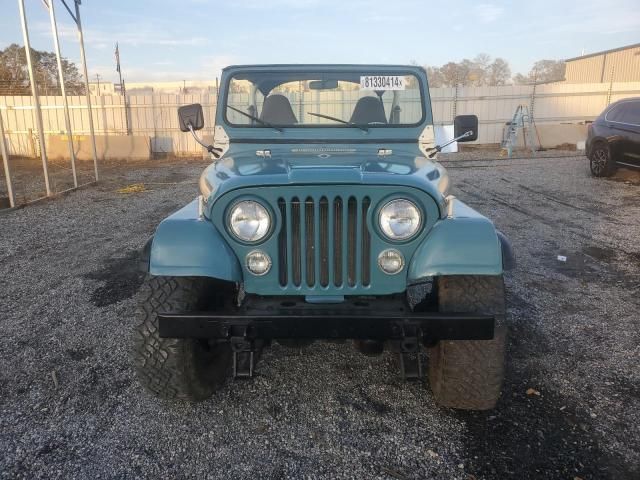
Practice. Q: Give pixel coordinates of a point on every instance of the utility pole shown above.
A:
(123, 90)
(118, 68)
(98, 80)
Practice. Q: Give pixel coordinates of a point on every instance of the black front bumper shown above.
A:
(327, 322)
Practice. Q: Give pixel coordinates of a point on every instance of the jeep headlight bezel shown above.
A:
(242, 214)
(396, 212)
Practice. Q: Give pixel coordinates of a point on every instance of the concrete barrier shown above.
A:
(109, 147)
(561, 134)
(138, 147)
(554, 135)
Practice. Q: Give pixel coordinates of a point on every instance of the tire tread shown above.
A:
(169, 367)
(467, 374)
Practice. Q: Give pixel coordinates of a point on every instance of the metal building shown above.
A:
(616, 65)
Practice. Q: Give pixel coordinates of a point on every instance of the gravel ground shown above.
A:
(70, 406)
(28, 178)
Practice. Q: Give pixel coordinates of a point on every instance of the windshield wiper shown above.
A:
(266, 124)
(329, 117)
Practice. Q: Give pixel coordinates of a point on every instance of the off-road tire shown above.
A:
(601, 161)
(467, 374)
(173, 368)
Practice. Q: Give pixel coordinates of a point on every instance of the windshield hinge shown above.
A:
(263, 153)
(384, 152)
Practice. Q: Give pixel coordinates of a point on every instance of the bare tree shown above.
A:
(478, 69)
(543, 71)
(14, 79)
(450, 74)
(14, 76)
(481, 71)
(499, 73)
(434, 75)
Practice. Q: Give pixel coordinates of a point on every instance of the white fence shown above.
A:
(154, 116)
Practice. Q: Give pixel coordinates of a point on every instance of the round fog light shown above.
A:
(391, 261)
(258, 262)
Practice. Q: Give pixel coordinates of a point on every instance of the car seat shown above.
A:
(368, 110)
(277, 110)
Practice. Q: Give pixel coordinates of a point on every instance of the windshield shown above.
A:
(347, 99)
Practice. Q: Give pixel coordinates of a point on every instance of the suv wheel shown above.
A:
(467, 374)
(176, 368)
(600, 161)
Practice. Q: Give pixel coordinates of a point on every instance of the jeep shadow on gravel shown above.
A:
(324, 215)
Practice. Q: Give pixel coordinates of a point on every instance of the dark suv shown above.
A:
(614, 138)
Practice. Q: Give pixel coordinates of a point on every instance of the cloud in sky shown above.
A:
(488, 12)
(196, 38)
(276, 4)
(134, 34)
(215, 63)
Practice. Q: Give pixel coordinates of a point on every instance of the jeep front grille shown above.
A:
(324, 241)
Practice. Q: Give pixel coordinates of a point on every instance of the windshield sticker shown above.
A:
(382, 82)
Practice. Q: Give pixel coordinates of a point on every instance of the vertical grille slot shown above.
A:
(324, 242)
(296, 250)
(366, 244)
(282, 243)
(310, 248)
(352, 213)
(338, 242)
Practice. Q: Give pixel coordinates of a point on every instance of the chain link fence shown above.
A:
(142, 127)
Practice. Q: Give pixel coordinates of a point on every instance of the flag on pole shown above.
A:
(117, 58)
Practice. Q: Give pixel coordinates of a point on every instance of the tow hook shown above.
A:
(409, 354)
(245, 349)
(243, 357)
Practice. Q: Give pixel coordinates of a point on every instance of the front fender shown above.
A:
(465, 244)
(186, 245)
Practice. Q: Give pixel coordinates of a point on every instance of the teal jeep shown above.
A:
(324, 216)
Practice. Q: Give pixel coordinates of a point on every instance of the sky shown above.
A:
(193, 39)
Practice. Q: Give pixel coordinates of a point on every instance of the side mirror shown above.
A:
(191, 115)
(463, 124)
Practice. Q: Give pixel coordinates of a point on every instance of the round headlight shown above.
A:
(249, 221)
(390, 261)
(258, 262)
(400, 219)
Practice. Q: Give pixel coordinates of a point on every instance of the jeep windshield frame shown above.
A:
(248, 83)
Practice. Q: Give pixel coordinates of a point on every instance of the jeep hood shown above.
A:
(314, 165)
